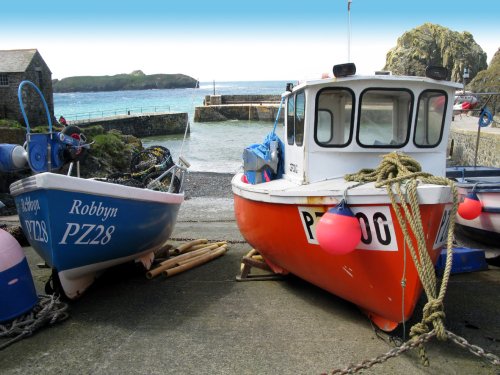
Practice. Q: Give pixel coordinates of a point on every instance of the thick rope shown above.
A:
(402, 173)
(49, 310)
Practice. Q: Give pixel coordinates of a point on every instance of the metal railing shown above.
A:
(88, 116)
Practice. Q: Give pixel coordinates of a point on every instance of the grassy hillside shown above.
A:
(136, 80)
(488, 80)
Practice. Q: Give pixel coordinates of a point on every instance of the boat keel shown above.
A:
(384, 324)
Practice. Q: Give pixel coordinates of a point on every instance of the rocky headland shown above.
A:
(136, 80)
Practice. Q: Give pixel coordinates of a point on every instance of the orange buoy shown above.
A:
(338, 231)
(471, 207)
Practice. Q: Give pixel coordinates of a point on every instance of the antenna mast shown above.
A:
(349, 31)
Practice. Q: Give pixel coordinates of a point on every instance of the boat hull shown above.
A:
(81, 227)
(370, 276)
(486, 227)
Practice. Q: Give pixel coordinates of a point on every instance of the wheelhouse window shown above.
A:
(430, 118)
(333, 126)
(385, 117)
(290, 119)
(4, 80)
(296, 108)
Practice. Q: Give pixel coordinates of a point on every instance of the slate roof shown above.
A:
(15, 60)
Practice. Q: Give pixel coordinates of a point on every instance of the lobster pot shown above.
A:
(17, 290)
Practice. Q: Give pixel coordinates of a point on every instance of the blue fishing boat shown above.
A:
(81, 227)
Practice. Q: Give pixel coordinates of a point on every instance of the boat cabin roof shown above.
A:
(336, 126)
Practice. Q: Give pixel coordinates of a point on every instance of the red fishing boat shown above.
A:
(291, 194)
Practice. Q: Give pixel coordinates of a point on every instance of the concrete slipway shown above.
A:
(203, 321)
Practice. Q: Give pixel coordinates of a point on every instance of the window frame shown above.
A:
(410, 116)
(445, 106)
(299, 125)
(291, 129)
(39, 76)
(6, 76)
(316, 109)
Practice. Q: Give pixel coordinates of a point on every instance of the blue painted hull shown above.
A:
(80, 227)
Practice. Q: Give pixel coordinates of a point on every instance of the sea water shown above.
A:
(210, 146)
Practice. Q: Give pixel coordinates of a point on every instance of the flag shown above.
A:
(349, 5)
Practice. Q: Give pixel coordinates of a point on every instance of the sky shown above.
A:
(228, 40)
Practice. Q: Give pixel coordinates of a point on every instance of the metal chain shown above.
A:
(474, 349)
(367, 363)
(412, 343)
(48, 310)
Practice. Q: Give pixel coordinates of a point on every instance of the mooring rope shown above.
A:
(48, 311)
(401, 172)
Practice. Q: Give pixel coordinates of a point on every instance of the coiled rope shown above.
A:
(403, 174)
(49, 310)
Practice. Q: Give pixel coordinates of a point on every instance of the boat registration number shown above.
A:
(87, 234)
(377, 229)
(36, 230)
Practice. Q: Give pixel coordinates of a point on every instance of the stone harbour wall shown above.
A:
(12, 135)
(462, 144)
(241, 99)
(143, 125)
(246, 112)
(238, 107)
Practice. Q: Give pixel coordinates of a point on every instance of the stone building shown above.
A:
(16, 66)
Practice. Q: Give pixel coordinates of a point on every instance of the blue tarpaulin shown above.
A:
(263, 162)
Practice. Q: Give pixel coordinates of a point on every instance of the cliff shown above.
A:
(488, 80)
(136, 80)
(431, 44)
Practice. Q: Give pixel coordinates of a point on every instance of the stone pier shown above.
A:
(143, 125)
(238, 107)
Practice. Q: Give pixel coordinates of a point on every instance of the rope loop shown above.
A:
(485, 118)
(433, 314)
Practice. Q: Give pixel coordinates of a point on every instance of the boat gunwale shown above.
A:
(53, 181)
(288, 192)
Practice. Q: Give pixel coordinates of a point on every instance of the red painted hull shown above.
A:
(370, 278)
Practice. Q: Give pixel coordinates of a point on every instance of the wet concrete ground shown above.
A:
(204, 321)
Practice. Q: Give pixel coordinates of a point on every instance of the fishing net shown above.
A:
(147, 166)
